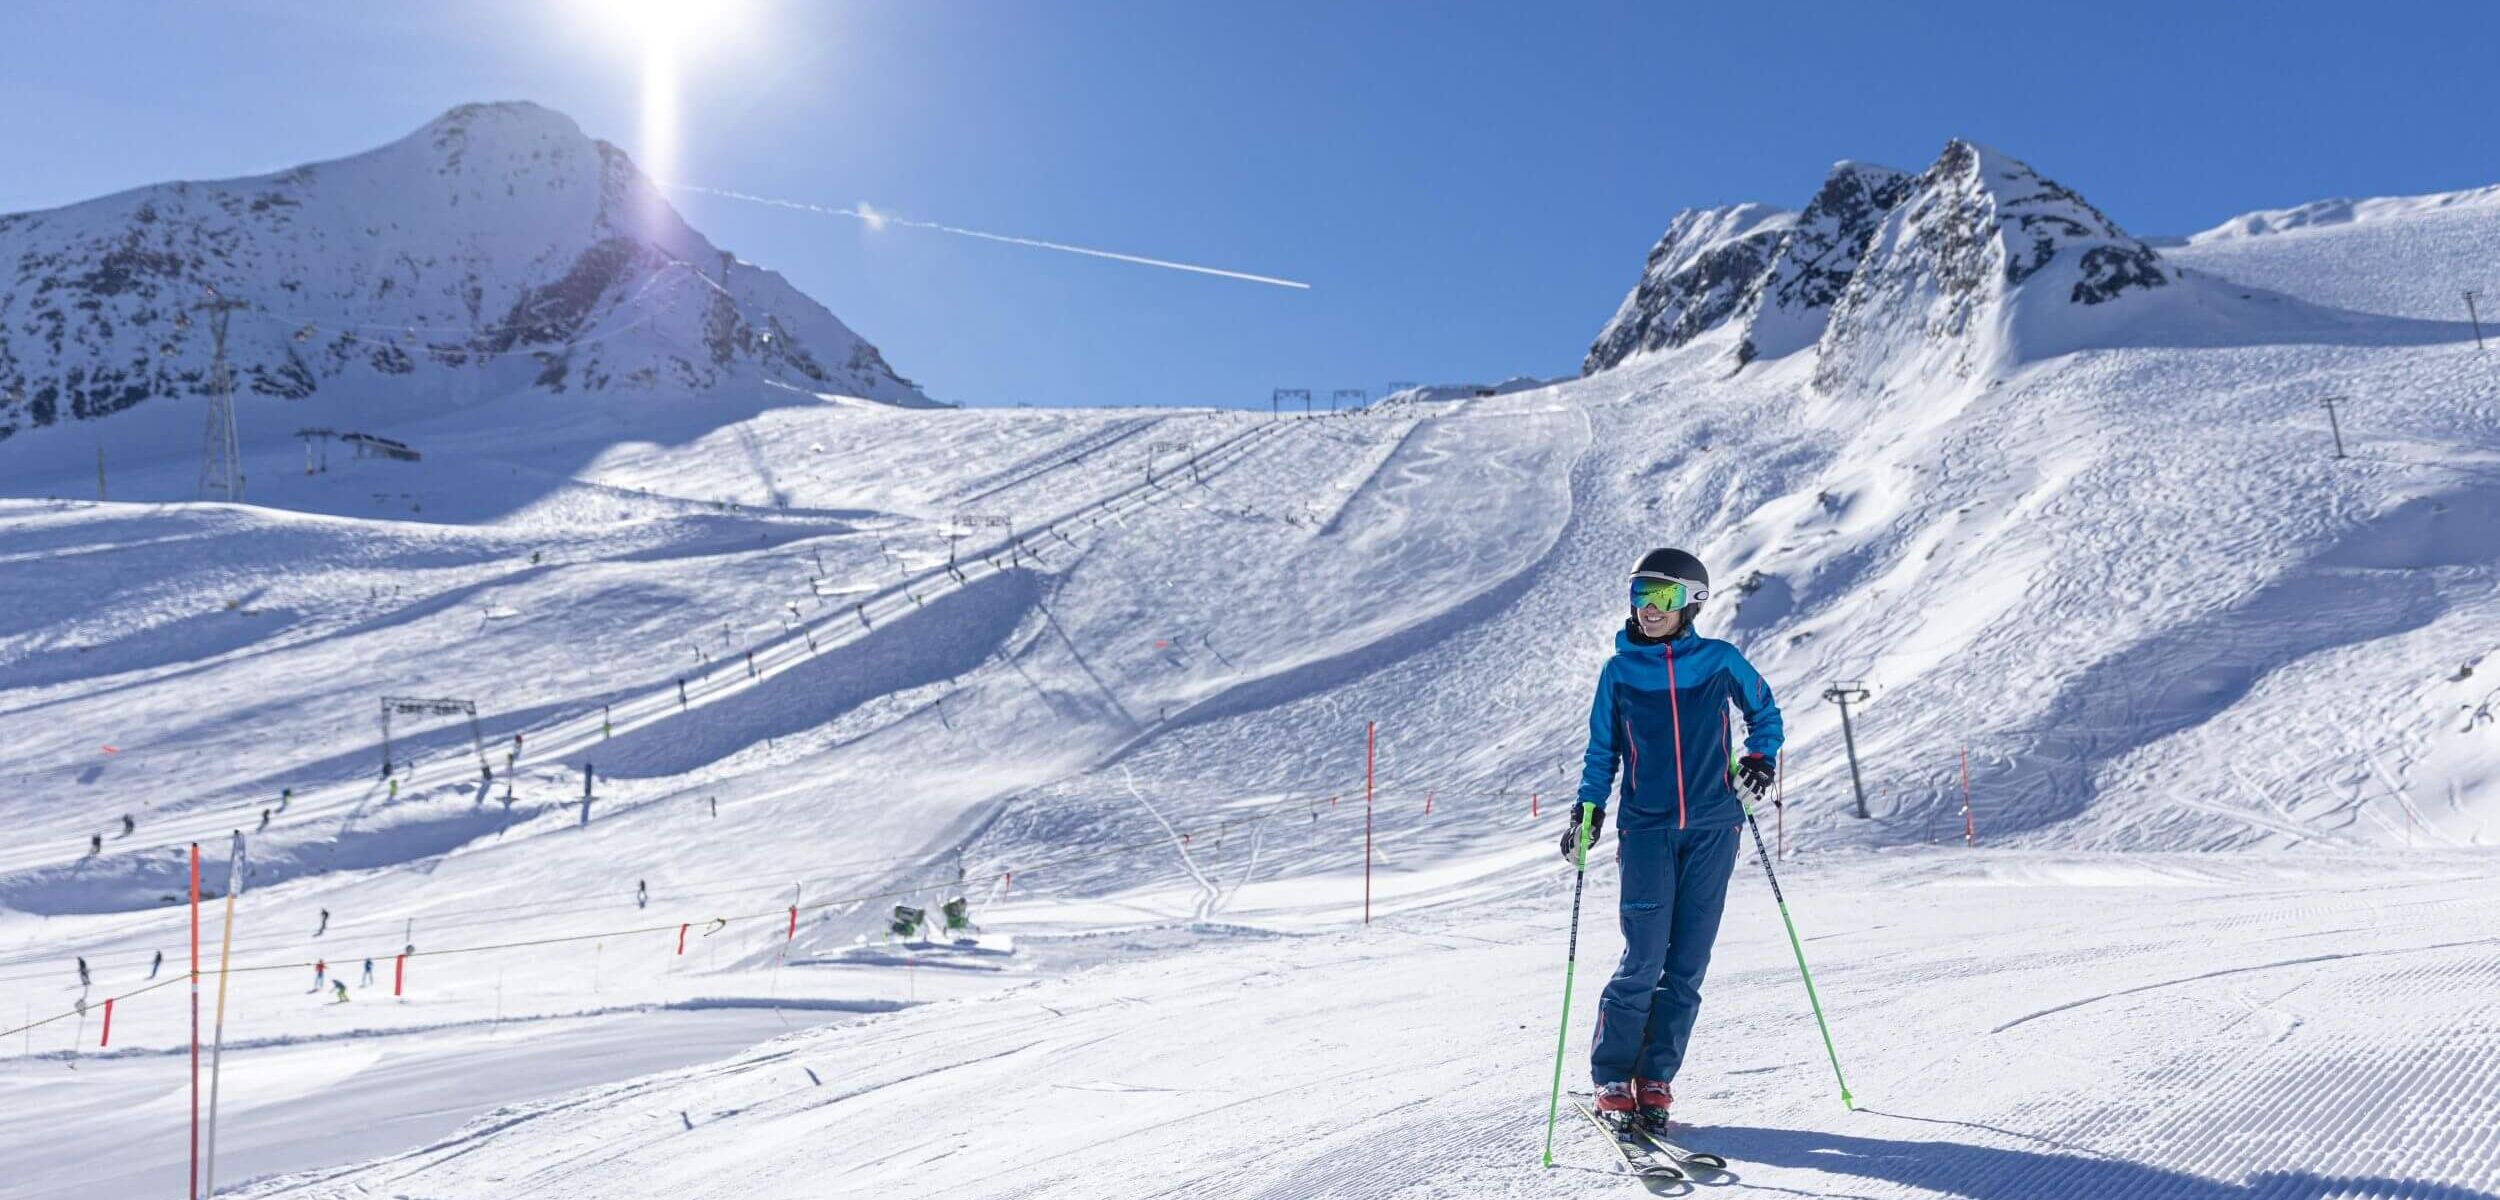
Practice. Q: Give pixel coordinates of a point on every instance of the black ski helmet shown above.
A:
(1676, 564)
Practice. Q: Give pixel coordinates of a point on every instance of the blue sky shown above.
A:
(1469, 187)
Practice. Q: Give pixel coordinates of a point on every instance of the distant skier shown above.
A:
(128, 826)
(715, 805)
(83, 980)
(321, 972)
(338, 988)
(264, 820)
(95, 844)
(286, 796)
(1661, 711)
(642, 894)
(368, 973)
(158, 964)
(325, 923)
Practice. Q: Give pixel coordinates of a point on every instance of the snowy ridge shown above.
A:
(2318, 214)
(496, 250)
(1434, 393)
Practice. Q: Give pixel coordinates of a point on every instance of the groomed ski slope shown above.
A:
(2134, 584)
(2015, 1025)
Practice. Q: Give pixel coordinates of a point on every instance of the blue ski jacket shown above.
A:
(1661, 711)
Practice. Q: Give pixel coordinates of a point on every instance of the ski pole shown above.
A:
(1793, 944)
(1571, 964)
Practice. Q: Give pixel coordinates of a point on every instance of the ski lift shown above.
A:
(304, 334)
(182, 320)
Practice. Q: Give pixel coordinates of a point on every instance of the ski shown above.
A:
(1635, 1152)
(1690, 1159)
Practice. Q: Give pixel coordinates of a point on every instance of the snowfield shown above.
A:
(2016, 1025)
(2224, 699)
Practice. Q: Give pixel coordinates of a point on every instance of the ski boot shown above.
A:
(1654, 1098)
(1617, 1103)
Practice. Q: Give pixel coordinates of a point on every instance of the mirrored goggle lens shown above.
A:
(1661, 594)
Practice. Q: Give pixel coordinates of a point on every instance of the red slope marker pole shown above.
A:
(107, 1039)
(195, 1021)
(399, 975)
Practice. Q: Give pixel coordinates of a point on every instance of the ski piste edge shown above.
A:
(1629, 1146)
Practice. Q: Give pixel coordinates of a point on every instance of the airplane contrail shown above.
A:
(880, 220)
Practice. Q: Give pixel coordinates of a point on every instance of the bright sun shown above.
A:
(666, 38)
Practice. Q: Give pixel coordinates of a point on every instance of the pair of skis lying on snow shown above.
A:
(1648, 1155)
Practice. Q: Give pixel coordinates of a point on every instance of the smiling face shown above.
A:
(1656, 624)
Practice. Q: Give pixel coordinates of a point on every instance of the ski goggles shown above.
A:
(1666, 595)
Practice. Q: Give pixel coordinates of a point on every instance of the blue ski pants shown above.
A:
(1674, 888)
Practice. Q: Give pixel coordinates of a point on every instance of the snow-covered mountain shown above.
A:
(1975, 265)
(1705, 270)
(1935, 292)
(1816, 258)
(497, 249)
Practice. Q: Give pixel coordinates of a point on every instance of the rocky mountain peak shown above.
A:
(1976, 237)
(1817, 257)
(496, 250)
(1882, 265)
(1702, 272)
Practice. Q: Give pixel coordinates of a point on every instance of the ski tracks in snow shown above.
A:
(1208, 892)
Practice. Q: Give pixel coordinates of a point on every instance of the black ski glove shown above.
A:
(1754, 773)
(1571, 836)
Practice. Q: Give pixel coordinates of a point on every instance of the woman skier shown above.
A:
(1661, 711)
